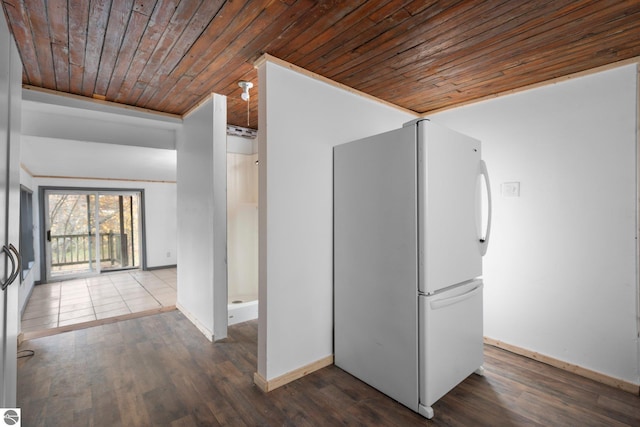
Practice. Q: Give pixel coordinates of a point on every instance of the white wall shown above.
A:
(202, 286)
(560, 272)
(160, 204)
(301, 119)
(241, 145)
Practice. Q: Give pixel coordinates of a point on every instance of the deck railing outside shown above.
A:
(71, 249)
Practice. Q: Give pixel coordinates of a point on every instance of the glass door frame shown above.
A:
(45, 254)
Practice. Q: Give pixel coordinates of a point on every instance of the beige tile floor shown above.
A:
(76, 301)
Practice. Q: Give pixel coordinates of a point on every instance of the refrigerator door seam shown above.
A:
(453, 300)
(448, 288)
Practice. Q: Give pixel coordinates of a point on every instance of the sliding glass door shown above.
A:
(88, 232)
(119, 230)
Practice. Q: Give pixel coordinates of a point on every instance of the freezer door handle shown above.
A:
(454, 300)
(484, 241)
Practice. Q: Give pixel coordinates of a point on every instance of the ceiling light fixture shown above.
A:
(245, 90)
(245, 95)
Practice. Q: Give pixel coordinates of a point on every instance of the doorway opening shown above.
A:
(88, 232)
(242, 229)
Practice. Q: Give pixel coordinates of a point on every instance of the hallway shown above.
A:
(59, 306)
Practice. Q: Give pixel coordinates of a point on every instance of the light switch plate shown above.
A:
(510, 189)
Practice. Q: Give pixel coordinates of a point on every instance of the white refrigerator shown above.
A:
(412, 215)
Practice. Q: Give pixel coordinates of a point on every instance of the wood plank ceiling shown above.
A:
(167, 55)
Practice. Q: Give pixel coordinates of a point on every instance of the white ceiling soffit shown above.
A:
(65, 158)
(48, 115)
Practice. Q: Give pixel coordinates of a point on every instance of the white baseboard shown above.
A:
(566, 366)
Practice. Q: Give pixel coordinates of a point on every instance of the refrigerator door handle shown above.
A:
(484, 241)
(9, 255)
(14, 276)
(454, 300)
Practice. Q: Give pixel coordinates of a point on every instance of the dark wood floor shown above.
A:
(160, 370)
